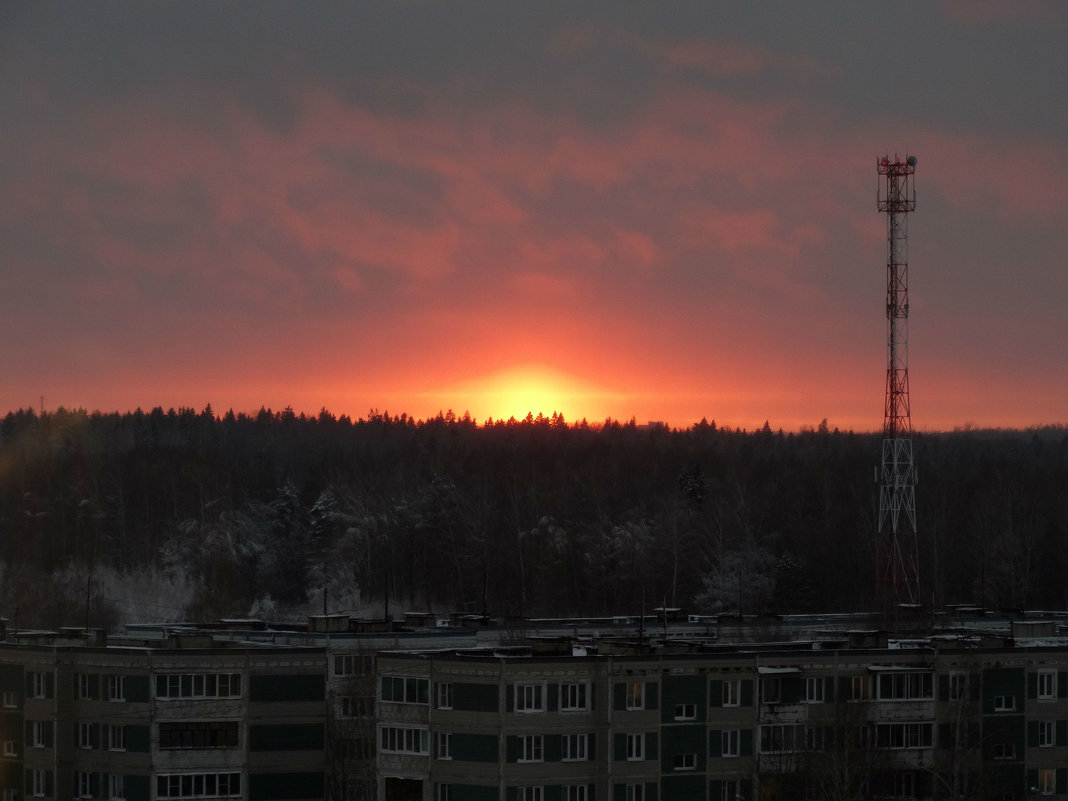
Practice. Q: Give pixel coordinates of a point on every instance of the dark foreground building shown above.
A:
(179, 718)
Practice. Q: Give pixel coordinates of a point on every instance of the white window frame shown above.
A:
(686, 761)
(442, 745)
(115, 687)
(576, 792)
(634, 695)
(535, 793)
(958, 685)
(85, 736)
(1002, 751)
(1047, 685)
(575, 697)
(9, 749)
(529, 697)
(731, 790)
(116, 734)
(10, 794)
(443, 792)
(37, 734)
(85, 687)
(1047, 734)
(38, 782)
(40, 684)
(1047, 781)
(1004, 703)
(83, 781)
(731, 743)
(904, 685)
(531, 748)
(11, 699)
(117, 787)
(815, 690)
(732, 692)
(685, 711)
(635, 747)
(443, 695)
(196, 785)
(574, 747)
(635, 792)
(404, 740)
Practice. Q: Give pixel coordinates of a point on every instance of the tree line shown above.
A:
(179, 514)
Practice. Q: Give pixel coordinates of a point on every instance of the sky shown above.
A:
(658, 211)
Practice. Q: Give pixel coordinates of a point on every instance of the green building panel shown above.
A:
(683, 690)
(469, 697)
(690, 787)
(679, 740)
(301, 687)
(474, 747)
(1003, 683)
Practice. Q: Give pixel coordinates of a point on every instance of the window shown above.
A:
(958, 686)
(354, 664)
(732, 692)
(442, 745)
(817, 737)
(402, 690)
(903, 784)
(685, 711)
(116, 787)
(1047, 734)
(859, 688)
(1047, 685)
(443, 695)
(635, 695)
(115, 688)
(574, 697)
(86, 735)
(904, 685)
(635, 747)
(573, 747)
(903, 735)
(84, 683)
(198, 685)
(684, 761)
(1047, 781)
(530, 698)
(1004, 751)
(84, 784)
(814, 690)
(781, 739)
(731, 790)
(10, 795)
(41, 734)
(443, 792)
(116, 735)
(730, 743)
(198, 785)
(1004, 703)
(9, 748)
(404, 740)
(634, 792)
(355, 706)
(40, 685)
(576, 792)
(198, 735)
(531, 748)
(40, 782)
(770, 690)
(530, 794)
(11, 699)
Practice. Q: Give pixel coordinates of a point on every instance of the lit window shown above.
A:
(1047, 781)
(635, 695)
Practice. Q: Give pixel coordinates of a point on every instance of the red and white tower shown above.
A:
(897, 568)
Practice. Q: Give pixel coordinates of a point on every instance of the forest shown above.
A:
(185, 515)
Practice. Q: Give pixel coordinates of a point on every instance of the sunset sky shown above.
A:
(664, 211)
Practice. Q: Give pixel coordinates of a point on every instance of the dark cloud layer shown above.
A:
(371, 204)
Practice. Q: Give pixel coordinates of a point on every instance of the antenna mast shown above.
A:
(897, 568)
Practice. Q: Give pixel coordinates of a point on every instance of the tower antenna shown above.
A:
(897, 568)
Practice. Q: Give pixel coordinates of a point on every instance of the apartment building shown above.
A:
(182, 717)
(933, 718)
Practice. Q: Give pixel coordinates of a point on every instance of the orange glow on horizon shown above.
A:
(534, 389)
